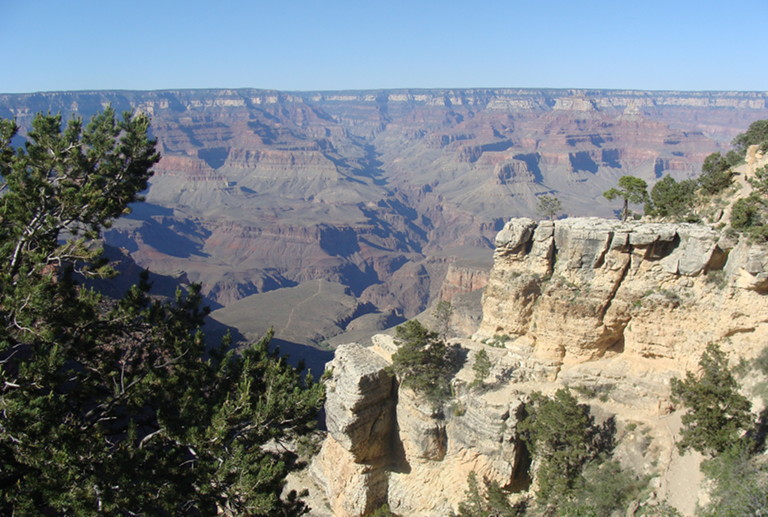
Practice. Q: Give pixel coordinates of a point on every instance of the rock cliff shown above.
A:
(579, 290)
(613, 310)
(389, 446)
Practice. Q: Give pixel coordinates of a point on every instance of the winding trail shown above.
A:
(290, 314)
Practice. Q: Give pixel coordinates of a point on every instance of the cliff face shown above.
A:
(388, 446)
(604, 307)
(579, 290)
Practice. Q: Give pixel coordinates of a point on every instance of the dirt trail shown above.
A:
(305, 300)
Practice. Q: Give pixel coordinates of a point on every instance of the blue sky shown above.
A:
(364, 44)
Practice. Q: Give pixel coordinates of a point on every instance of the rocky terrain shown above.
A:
(374, 204)
(612, 310)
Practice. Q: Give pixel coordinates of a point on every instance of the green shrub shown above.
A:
(671, 199)
(443, 313)
(481, 367)
(717, 413)
(423, 362)
(498, 340)
(490, 500)
(715, 174)
(745, 213)
(631, 190)
(748, 216)
(549, 206)
(756, 134)
(598, 391)
(558, 432)
(717, 278)
(603, 488)
(739, 484)
(760, 180)
(575, 475)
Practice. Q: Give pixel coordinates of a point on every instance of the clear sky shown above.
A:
(366, 44)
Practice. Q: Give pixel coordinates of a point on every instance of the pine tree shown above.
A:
(549, 206)
(631, 190)
(559, 432)
(490, 500)
(717, 412)
(482, 368)
(115, 406)
(671, 199)
(423, 362)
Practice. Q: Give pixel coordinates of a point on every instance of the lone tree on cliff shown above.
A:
(549, 206)
(423, 362)
(631, 190)
(110, 406)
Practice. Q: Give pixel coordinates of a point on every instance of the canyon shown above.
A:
(329, 216)
(369, 206)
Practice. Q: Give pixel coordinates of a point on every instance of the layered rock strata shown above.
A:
(360, 416)
(264, 190)
(613, 310)
(583, 289)
(386, 446)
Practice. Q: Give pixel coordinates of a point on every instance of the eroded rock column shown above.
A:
(360, 415)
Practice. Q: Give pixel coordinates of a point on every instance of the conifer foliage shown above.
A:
(631, 190)
(717, 413)
(115, 407)
(559, 432)
(424, 362)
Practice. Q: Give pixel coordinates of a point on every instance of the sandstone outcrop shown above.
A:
(360, 416)
(612, 310)
(579, 290)
(389, 446)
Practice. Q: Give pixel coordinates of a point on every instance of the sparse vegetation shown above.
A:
(596, 391)
(423, 362)
(717, 413)
(549, 206)
(481, 367)
(558, 432)
(498, 340)
(739, 484)
(719, 424)
(442, 314)
(749, 215)
(573, 473)
(717, 278)
(671, 296)
(715, 174)
(490, 500)
(707, 196)
(756, 134)
(602, 489)
(760, 180)
(672, 199)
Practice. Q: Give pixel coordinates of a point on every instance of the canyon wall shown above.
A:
(376, 191)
